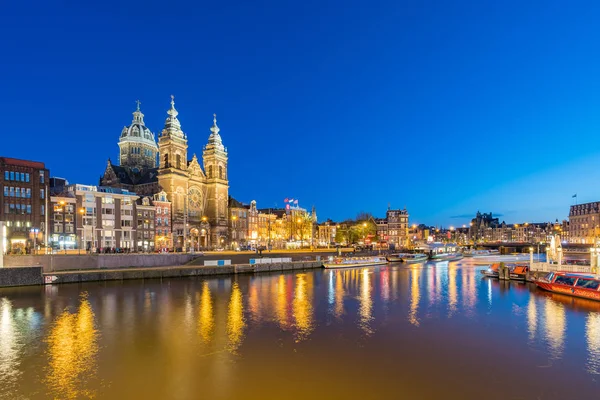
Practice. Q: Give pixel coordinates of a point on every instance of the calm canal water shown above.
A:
(437, 331)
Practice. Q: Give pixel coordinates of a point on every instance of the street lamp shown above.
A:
(82, 211)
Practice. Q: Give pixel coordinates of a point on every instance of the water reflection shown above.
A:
(72, 350)
(235, 319)
(302, 307)
(532, 318)
(281, 303)
(555, 320)
(415, 296)
(9, 346)
(177, 337)
(592, 334)
(206, 318)
(452, 291)
(366, 303)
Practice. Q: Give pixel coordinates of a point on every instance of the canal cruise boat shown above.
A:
(572, 284)
(352, 262)
(409, 258)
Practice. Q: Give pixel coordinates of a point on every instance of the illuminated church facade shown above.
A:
(198, 193)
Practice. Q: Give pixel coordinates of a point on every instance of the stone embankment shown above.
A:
(66, 271)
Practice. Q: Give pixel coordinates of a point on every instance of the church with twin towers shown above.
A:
(198, 192)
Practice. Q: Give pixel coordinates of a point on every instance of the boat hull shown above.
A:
(454, 257)
(569, 291)
(394, 259)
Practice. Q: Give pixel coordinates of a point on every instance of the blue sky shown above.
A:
(443, 107)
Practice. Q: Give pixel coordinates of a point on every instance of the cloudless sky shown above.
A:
(445, 107)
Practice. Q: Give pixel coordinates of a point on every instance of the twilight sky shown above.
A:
(445, 107)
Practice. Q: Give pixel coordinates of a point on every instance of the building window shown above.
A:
(41, 176)
(220, 172)
(27, 177)
(28, 208)
(12, 175)
(5, 191)
(6, 175)
(43, 211)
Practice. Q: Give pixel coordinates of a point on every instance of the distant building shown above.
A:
(238, 223)
(326, 232)
(63, 218)
(145, 232)
(24, 203)
(584, 223)
(164, 236)
(481, 227)
(397, 227)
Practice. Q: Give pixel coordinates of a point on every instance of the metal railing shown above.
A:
(548, 267)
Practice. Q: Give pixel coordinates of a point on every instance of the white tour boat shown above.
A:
(351, 262)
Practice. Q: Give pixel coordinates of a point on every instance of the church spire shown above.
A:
(215, 129)
(138, 117)
(172, 124)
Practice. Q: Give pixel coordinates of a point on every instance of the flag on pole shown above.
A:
(296, 202)
(286, 200)
(291, 200)
(574, 196)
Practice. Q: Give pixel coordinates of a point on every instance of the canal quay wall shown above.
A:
(69, 262)
(36, 276)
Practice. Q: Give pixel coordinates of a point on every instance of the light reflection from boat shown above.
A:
(592, 334)
(452, 290)
(532, 318)
(72, 351)
(415, 296)
(366, 303)
(339, 294)
(281, 303)
(555, 324)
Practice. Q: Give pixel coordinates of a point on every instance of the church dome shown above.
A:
(214, 140)
(138, 132)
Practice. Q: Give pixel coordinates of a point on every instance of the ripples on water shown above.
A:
(336, 333)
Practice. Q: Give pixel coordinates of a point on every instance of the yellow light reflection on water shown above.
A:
(302, 308)
(9, 346)
(555, 327)
(415, 296)
(532, 317)
(339, 295)
(281, 304)
(366, 302)
(592, 334)
(452, 290)
(235, 319)
(72, 350)
(206, 318)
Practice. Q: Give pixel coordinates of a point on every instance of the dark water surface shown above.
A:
(437, 331)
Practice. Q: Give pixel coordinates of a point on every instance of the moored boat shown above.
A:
(414, 258)
(351, 262)
(586, 286)
(395, 257)
(518, 272)
(446, 257)
(481, 253)
(491, 272)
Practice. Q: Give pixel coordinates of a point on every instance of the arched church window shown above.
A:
(220, 172)
(210, 171)
(167, 160)
(178, 161)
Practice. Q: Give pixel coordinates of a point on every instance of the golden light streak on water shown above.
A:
(452, 291)
(206, 317)
(72, 350)
(415, 296)
(366, 303)
(555, 324)
(9, 347)
(281, 304)
(302, 309)
(385, 285)
(339, 295)
(592, 335)
(254, 302)
(532, 318)
(469, 291)
(235, 319)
